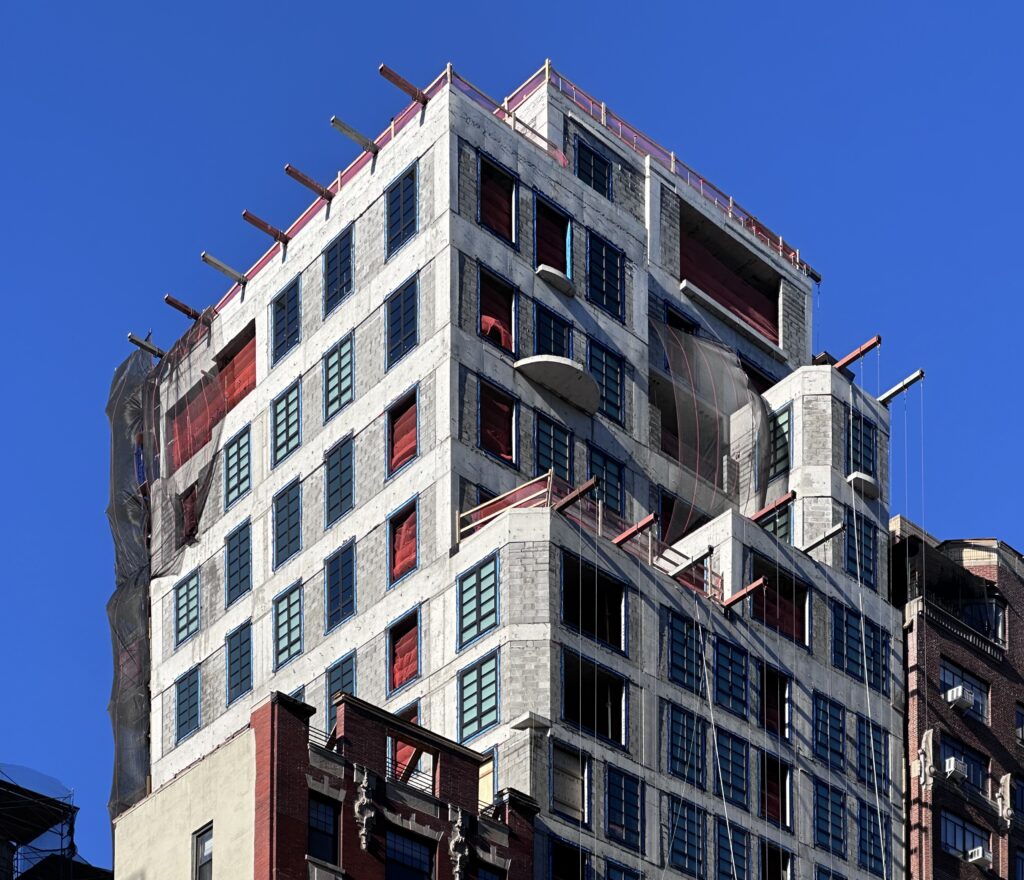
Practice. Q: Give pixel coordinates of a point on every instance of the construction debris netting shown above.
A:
(712, 421)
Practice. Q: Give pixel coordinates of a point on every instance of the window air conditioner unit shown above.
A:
(960, 697)
(956, 770)
(980, 856)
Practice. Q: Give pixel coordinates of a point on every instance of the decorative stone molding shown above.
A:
(458, 846)
(926, 758)
(1004, 801)
(363, 807)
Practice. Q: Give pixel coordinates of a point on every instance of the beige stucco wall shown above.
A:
(153, 840)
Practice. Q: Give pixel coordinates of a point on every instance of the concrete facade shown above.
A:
(642, 218)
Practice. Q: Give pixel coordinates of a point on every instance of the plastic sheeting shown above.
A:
(552, 236)
(405, 661)
(496, 193)
(496, 414)
(707, 416)
(403, 544)
(496, 312)
(403, 433)
(128, 608)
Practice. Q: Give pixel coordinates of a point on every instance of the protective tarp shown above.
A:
(707, 416)
(128, 608)
(496, 193)
(403, 433)
(552, 232)
(185, 403)
(404, 653)
(496, 410)
(238, 375)
(496, 311)
(403, 543)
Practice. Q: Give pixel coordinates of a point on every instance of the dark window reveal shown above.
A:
(497, 423)
(553, 237)
(497, 302)
(497, 199)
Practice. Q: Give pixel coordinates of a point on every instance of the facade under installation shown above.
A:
(516, 433)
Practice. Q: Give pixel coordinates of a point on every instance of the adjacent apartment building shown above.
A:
(516, 434)
(965, 711)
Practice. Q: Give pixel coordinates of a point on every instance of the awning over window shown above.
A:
(402, 425)
(403, 543)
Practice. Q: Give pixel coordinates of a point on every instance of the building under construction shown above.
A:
(515, 433)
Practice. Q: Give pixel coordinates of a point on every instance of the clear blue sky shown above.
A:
(882, 139)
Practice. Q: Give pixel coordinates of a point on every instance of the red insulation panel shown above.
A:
(403, 543)
(496, 301)
(405, 661)
(403, 432)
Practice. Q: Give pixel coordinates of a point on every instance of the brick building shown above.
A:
(516, 433)
(965, 708)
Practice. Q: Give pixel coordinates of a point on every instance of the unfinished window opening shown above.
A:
(497, 199)
(728, 272)
(402, 542)
(570, 783)
(693, 435)
(497, 306)
(188, 517)
(781, 604)
(554, 240)
(401, 754)
(592, 602)
(402, 432)
(775, 802)
(593, 698)
(774, 862)
(677, 518)
(497, 423)
(773, 710)
(404, 651)
(485, 781)
(236, 367)
(568, 861)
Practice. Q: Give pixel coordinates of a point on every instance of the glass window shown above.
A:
(605, 275)
(570, 783)
(339, 467)
(340, 584)
(186, 608)
(407, 857)
(731, 676)
(778, 523)
(613, 871)
(554, 449)
(339, 377)
(238, 649)
(186, 704)
(732, 856)
(553, 334)
(625, 794)
(478, 697)
(685, 652)
(287, 522)
(977, 763)
(611, 474)
(686, 836)
(687, 736)
(285, 324)
(778, 444)
(951, 675)
(861, 548)
(402, 321)
(341, 678)
(733, 758)
(237, 476)
(608, 369)
(874, 849)
(829, 731)
(861, 445)
(285, 424)
(203, 854)
(873, 754)
(478, 600)
(287, 626)
(238, 562)
(959, 836)
(338, 270)
(593, 169)
(829, 818)
(401, 207)
(323, 828)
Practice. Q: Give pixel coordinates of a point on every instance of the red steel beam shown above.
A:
(742, 594)
(308, 182)
(858, 353)
(262, 225)
(775, 505)
(401, 82)
(577, 493)
(635, 529)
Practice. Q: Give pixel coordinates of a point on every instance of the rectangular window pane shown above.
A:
(288, 626)
(340, 577)
(733, 757)
(873, 754)
(285, 321)
(341, 678)
(401, 207)
(402, 428)
(605, 275)
(238, 562)
(239, 657)
(337, 270)
(624, 799)
(731, 676)
(733, 857)
(829, 818)
(861, 548)
(323, 828)
(554, 449)
(593, 601)
(186, 608)
(829, 731)
(608, 368)
(686, 836)
(951, 675)
(478, 697)
(874, 845)
(402, 321)
(340, 478)
(339, 377)
(778, 523)
(287, 523)
(237, 476)
(478, 600)
(285, 424)
(553, 334)
(186, 704)
(685, 653)
(611, 473)
(778, 444)
(861, 444)
(687, 736)
(407, 857)
(593, 169)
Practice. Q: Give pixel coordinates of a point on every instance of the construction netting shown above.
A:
(707, 416)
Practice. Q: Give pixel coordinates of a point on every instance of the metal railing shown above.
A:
(410, 774)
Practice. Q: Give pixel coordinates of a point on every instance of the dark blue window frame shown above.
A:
(861, 444)
(340, 676)
(339, 376)
(340, 585)
(288, 626)
(606, 275)
(733, 861)
(874, 855)
(287, 523)
(478, 601)
(339, 480)
(829, 818)
(238, 651)
(685, 641)
(829, 731)
(338, 274)
(286, 321)
(553, 449)
(611, 472)
(553, 333)
(687, 745)
(861, 548)
(402, 324)
(237, 467)
(187, 705)
(872, 754)
(238, 562)
(687, 842)
(624, 808)
(733, 757)
(402, 209)
(286, 423)
(609, 369)
(479, 696)
(731, 677)
(977, 763)
(593, 168)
